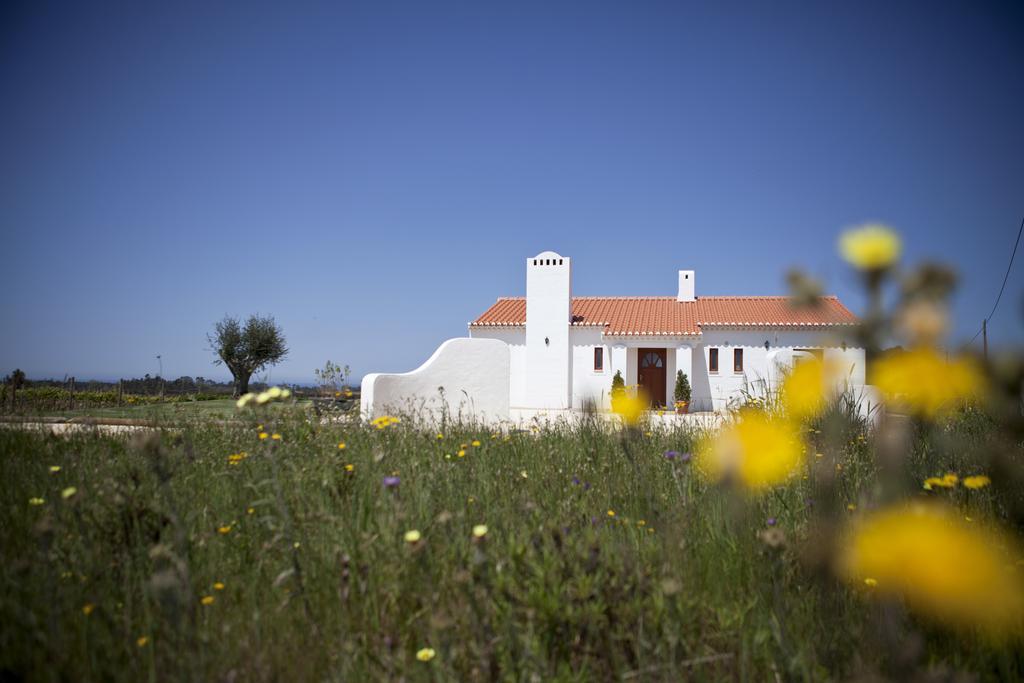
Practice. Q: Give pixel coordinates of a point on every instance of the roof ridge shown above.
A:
(710, 297)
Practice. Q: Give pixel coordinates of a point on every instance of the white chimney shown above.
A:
(548, 313)
(686, 286)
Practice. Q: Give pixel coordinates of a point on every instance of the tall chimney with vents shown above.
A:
(686, 286)
(548, 311)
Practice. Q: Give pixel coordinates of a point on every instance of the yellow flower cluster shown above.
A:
(384, 421)
(950, 480)
(923, 382)
(264, 397)
(237, 458)
(959, 574)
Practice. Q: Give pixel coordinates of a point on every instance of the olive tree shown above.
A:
(246, 349)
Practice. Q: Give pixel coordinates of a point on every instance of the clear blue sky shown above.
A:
(375, 174)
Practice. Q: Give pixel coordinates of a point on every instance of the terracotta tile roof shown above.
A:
(639, 315)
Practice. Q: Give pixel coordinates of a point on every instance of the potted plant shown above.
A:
(682, 393)
(618, 385)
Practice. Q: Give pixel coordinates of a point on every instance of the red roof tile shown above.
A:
(638, 315)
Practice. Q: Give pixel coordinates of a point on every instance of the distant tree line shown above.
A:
(147, 385)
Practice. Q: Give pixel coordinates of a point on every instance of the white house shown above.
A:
(553, 351)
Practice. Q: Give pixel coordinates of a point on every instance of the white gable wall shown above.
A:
(515, 337)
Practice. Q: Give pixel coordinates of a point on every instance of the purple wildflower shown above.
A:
(575, 481)
(772, 521)
(586, 486)
(670, 455)
(685, 457)
(392, 482)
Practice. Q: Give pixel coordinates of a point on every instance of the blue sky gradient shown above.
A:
(375, 174)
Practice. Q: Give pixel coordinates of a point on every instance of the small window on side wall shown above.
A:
(598, 359)
(712, 360)
(737, 360)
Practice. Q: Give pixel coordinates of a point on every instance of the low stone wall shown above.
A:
(473, 373)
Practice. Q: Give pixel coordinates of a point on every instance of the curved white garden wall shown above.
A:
(473, 372)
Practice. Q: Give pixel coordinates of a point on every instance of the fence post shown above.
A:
(72, 395)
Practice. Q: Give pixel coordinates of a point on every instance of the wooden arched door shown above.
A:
(651, 374)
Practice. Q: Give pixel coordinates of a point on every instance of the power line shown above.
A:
(1001, 288)
(1007, 276)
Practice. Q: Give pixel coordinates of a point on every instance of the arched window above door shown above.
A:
(651, 360)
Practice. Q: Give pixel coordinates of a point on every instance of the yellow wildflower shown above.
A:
(462, 454)
(87, 608)
(262, 398)
(68, 492)
(413, 536)
(275, 436)
(611, 513)
(476, 443)
(922, 381)
(425, 654)
(218, 586)
(523, 474)
(263, 435)
(440, 436)
(950, 480)
(226, 529)
(755, 451)
(348, 393)
(871, 582)
(36, 501)
(956, 573)
(480, 530)
(54, 469)
(207, 600)
(805, 387)
(630, 406)
(349, 467)
(250, 511)
(977, 481)
(245, 400)
(870, 247)
(142, 641)
(341, 446)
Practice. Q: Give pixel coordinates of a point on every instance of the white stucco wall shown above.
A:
(587, 383)
(475, 374)
(515, 337)
(760, 365)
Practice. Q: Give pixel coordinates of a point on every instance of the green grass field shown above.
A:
(164, 412)
(603, 560)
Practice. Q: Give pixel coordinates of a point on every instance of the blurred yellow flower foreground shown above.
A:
(755, 451)
(924, 382)
(870, 247)
(630, 405)
(806, 388)
(963, 575)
